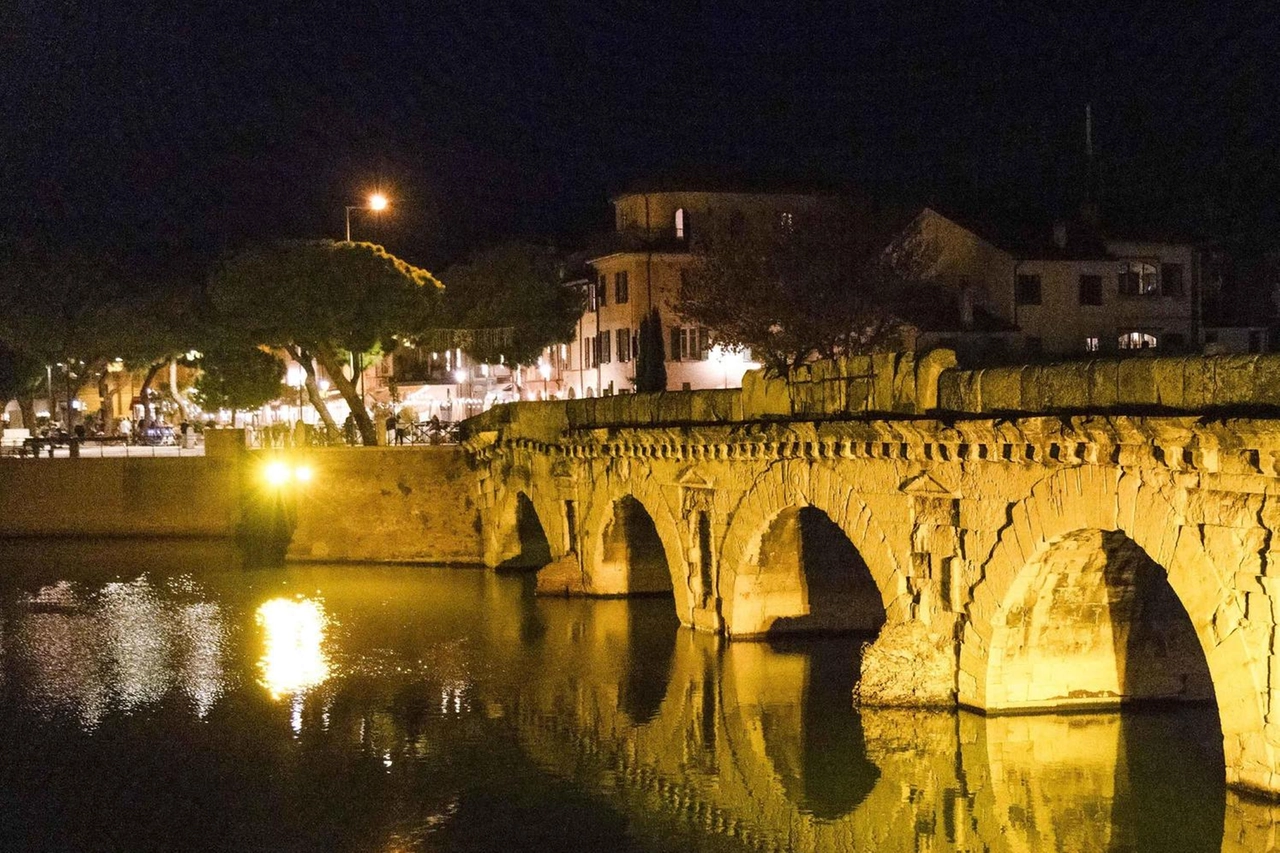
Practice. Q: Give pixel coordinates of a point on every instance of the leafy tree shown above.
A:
(20, 378)
(236, 378)
(515, 286)
(842, 282)
(323, 300)
(57, 312)
(651, 367)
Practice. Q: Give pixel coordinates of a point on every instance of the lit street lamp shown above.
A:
(377, 203)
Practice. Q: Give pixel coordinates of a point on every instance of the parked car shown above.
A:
(160, 435)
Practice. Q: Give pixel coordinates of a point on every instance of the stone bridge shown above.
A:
(1118, 550)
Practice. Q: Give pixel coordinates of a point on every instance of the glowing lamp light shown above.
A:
(460, 375)
(544, 370)
(303, 473)
(377, 201)
(276, 473)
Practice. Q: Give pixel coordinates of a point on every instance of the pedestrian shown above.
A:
(391, 427)
(349, 428)
(126, 428)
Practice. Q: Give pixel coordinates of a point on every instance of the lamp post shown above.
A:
(377, 203)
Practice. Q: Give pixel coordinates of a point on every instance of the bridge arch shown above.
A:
(763, 581)
(1105, 529)
(640, 504)
(523, 530)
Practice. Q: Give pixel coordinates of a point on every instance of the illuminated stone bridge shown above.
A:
(1118, 550)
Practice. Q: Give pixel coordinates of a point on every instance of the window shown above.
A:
(1090, 290)
(1091, 344)
(1136, 340)
(591, 295)
(623, 337)
(786, 222)
(1028, 290)
(682, 224)
(690, 344)
(1138, 279)
(1171, 280)
(602, 290)
(621, 290)
(604, 347)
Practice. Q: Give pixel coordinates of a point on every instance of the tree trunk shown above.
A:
(332, 365)
(303, 358)
(144, 394)
(105, 410)
(27, 407)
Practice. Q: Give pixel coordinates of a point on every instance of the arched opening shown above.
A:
(813, 579)
(632, 549)
(682, 224)
(535, 550)
(1091, 622)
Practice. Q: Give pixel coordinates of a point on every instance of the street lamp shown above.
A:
(377, 203)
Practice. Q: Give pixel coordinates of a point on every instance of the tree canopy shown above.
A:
(515, 286)
(837, 283)
(238, 378)
(324, 299)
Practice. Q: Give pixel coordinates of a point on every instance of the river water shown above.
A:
(159, 697)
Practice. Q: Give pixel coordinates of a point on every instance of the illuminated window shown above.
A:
(682, 224)
(1139, 279)
(1136, 340)
(786, 222)
(1090, 344)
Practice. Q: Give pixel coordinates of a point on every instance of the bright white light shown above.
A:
(276, 473)
(460, 375)
(544, 370)
(293, 658)
(303, 473)
(378, 201)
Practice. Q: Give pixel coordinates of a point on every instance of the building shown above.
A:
(1067, 292)
(639, 268)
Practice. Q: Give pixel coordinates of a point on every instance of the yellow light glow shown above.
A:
(276, 473)
(303, 473)
(378, 201)
(293, 658)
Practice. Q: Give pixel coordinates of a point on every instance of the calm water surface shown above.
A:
(157, 697)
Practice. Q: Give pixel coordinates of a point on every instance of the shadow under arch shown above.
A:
(652, 628)
(1092, 622)
(817, 745)
(633, 548)
(535, 548)
(815, 577)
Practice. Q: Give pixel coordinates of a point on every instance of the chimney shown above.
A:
(1060, 234)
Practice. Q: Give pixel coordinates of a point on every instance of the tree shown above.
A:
(323, 300)
(20, 378)
(651, 367)
(236, 378)
(840, 282)
(515, 286)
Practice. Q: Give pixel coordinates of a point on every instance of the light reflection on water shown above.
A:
(188, 706)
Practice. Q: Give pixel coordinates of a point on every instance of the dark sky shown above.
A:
(185, 132)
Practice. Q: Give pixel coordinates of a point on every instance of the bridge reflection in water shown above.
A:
(759, 742)
(378, 693)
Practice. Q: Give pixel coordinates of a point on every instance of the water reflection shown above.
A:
(392, 709)
(293, 658)
(80, 650)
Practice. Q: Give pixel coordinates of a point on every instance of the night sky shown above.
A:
(169, 133)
